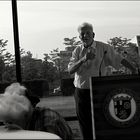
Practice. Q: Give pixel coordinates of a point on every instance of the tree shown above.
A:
(57, 61)
(49, 71)
(61, 58)
(6, 59)
(132, 55)
(9, 75)
(2, 46)
(2, 63)
(71, 43)
(127, 50)
(118, 43)
(2, 67)
(31, 67)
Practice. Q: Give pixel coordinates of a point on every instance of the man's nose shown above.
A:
(85, 35)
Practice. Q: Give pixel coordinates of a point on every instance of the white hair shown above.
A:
(15, 106)
(85, 25)
(15, 88)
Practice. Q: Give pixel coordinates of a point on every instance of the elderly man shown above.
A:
(18, 113)
(88, 60)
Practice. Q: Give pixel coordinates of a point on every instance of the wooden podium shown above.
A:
(115, 103)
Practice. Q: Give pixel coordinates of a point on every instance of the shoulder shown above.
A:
(53, 122)
(103, 46)
(77, 51)
(47, 112)
(78, 48)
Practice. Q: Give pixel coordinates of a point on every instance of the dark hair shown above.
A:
(33, 98)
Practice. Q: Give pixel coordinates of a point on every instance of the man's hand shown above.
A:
(90, 55)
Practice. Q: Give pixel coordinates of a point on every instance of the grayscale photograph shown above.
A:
(70, 70)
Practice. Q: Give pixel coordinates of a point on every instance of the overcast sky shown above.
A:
(44, 24)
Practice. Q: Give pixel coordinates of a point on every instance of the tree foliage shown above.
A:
(118, 43)
(132, 55)
(71, 42)
(54, 65)
(61, 58)
(6, 59)
(31, 68)
(49, 71)
(127, 50)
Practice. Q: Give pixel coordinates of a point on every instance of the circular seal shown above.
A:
(121, 107)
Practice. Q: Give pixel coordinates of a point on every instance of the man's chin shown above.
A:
(86, 45)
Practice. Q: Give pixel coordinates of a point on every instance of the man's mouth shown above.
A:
(86, 40)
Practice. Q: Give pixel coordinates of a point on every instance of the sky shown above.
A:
(43, 25)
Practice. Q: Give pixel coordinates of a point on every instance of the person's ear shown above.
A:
(93, 34)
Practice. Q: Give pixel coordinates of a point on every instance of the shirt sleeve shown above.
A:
(112, 58)
(74, 58)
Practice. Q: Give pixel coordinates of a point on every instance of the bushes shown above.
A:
(37, 87)
(3, 86)
(67, 87)
(40, 88)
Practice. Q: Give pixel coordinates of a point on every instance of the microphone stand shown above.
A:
(101, 63)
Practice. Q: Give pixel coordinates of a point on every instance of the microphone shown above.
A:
(101, 63)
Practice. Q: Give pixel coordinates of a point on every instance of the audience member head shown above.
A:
(15, 107)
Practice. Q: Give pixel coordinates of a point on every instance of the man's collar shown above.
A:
(93, 45)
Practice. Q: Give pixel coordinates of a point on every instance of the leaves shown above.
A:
(126, 49)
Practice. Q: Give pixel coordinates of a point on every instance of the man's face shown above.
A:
(86, 36)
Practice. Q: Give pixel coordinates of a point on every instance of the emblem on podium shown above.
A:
(121, 107)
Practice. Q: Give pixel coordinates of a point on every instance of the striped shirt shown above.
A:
(43, 120)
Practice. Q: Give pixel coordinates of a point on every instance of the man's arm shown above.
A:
(74, 67)
(129, 66)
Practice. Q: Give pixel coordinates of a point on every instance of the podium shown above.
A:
(115, 107)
